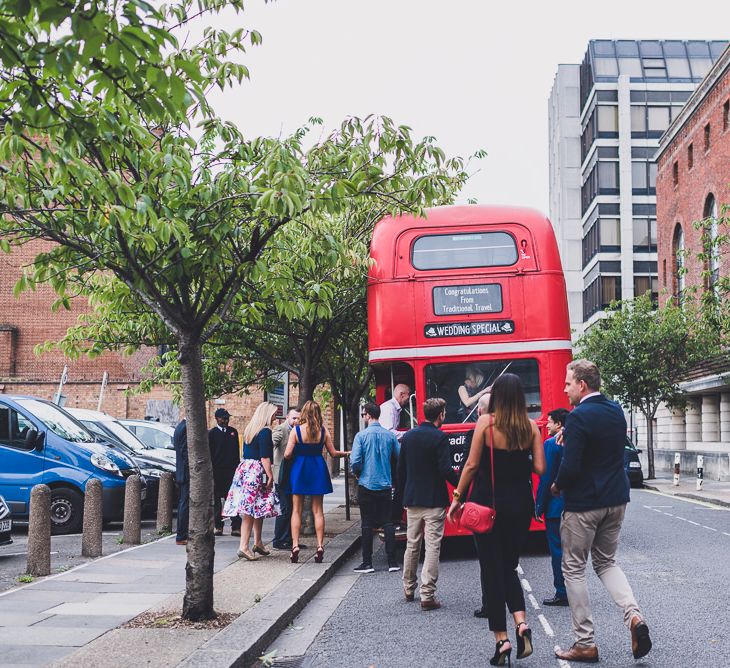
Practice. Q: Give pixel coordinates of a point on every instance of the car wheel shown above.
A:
(67, 511)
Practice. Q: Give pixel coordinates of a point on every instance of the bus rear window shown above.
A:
(462, 251)
(460, 384)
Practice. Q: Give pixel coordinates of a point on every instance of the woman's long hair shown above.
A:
(311, 418)
(507, 404)
(261, 418)
(474, 373)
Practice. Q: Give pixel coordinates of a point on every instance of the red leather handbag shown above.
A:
(475, 517)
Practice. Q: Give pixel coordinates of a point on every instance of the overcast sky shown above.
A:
(473, 73)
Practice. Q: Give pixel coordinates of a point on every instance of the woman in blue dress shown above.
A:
(309, 475)
(252, 494)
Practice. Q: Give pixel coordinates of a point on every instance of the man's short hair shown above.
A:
(558, 415)
(373, 410)
(483, 403)
(432, 408)
(587, 372)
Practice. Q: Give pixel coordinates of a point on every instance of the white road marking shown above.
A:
(533, 601)
(706, 527)
(726, 533)
(684, 519)
(519, 570)
(697, 502)
(526, 585)
(546, 626)
(697, 524)
(668, 514)
(561, 662)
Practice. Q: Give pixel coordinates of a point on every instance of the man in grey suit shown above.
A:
(280, 437)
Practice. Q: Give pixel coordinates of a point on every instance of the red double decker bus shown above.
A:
(458, 298)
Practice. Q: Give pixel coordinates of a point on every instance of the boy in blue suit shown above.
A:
(552, 506)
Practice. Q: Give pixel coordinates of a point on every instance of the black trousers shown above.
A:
(499, 555)
(183, 510)
(220, 492)
(282, 526)
(375, 513)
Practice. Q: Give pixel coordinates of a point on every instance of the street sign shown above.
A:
(459, 299)
(481, 328)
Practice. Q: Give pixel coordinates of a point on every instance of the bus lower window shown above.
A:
(454, 380)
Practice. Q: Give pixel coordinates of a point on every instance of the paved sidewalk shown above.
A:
(73, 619)
(713, 491)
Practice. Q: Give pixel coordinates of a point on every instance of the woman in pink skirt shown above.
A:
(252, 492)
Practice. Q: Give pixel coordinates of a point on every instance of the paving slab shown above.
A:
(104, 622)
(104, 604)
(37, 655)
(14, 618)
(67, 637)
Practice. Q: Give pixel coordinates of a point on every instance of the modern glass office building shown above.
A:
(606, 116)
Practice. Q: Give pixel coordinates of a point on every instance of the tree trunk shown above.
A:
(352, 417)
(198, 599)
(650, 444)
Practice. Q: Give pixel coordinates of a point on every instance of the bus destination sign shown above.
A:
(457, 299)
(459, 444)
(481, 328)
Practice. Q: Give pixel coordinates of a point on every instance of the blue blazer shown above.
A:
(545, 503)
(592, 473)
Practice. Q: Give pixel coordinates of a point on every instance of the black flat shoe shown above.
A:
(556, 600)
(524, 640)
(481, 613)
(502, 656)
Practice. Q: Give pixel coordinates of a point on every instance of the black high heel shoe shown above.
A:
(500, 655)
(319, 555)
(294, 554)
(524, 641)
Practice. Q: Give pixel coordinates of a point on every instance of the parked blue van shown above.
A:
(41, 443)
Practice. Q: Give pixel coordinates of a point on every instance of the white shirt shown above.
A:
(592, 394)
(390, 417)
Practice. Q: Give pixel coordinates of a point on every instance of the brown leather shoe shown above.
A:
(579, 654)
(432, 604)
(410, 597)
(640, 640)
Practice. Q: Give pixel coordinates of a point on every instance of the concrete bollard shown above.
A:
(132, 531)
(39, 531)
(700, 471)
(93, 520)
(677, 460)
(164, 503)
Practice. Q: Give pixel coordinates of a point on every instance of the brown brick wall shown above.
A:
(683, 203)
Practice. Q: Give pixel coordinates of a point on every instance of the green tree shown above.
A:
(643, 353)
(98, 101)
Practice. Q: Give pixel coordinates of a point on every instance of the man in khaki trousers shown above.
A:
(595, 488)
(424, 467)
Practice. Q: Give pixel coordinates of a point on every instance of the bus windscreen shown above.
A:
(459, 383)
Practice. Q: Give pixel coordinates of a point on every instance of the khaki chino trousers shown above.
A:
(424, 524)
(595, 532)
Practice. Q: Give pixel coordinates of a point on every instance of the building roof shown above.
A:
(716, 73)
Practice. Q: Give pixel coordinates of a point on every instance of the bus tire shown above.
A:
(67, 511)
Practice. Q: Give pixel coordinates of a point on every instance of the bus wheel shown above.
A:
(67, 511)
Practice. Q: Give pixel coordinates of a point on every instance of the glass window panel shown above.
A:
(610, 288)
(608, 151)
(681, 95)
(650, 48)
(652, 175)
(630, 67)
(698, 49)
(655, 73)
(603, 47)
(453, 251)
(641, 232)
(674, 48)
(716, 49)
(638, 119)
(653, 62)
(605, 67)
(610, 232)
(608, 175)
(626, 47)
(678, 68)
(638, 96)
(638, 175)
(607, 95)
(658, 119)
(675, 111)
(700, 66)
(446, 379)
(607, 119)
(652, 232)
(641, 285)
(657, 96)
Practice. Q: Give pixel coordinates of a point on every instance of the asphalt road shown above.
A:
(674, 553)
(65, 550)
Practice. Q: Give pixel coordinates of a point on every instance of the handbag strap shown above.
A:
(491, 461)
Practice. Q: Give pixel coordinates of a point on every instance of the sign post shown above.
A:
(700, 471)
(677, 459)
(104, 380)
(62, 382)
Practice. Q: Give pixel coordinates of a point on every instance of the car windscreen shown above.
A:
(125, 436)
(59, 422)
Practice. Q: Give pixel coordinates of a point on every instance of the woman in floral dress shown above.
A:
(252, 494)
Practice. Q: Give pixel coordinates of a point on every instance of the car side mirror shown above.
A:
(639, 450)
(39, 439)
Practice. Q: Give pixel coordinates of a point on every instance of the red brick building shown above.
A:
(693, 184)
(28, 321)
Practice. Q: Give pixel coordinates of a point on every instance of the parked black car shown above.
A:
(6, 523)
(632, 464)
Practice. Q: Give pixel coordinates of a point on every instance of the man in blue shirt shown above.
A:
(374, 451)
(552, 506)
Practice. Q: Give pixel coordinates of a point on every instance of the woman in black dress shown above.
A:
(507, 433)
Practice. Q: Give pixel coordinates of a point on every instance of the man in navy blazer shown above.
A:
(551, 507)
(595, 489)
(424, 466)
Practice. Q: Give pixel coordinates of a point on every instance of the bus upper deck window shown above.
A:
(461, 251)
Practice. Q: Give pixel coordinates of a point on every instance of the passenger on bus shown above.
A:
(470, 393)
(390, 410)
